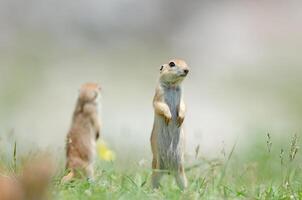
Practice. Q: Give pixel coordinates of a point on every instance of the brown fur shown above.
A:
(32, 184)
(36, 178)
(84, 131)
(10, 189)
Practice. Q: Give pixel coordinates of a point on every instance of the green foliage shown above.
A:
(258, 171)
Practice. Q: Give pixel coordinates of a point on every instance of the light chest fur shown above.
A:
(169, 136)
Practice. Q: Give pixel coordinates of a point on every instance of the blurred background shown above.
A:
(245, 78)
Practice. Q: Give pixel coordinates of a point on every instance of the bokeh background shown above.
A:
(245, 78)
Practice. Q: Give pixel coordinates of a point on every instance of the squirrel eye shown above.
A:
(161, 68)
(172, 64)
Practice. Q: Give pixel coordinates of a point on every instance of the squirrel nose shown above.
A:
(186, 71)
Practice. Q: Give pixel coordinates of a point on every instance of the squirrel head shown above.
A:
(89, 92)
(174, 72)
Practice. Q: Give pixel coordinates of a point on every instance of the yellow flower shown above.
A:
(104, 152)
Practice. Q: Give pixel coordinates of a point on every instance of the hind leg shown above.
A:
(68, 177)
(89, 172)
(156, 175)
(181, 178)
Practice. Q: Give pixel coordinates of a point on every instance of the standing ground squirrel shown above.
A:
(167, 139)
(84, 131)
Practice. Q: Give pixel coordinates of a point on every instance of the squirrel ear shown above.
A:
(161, 68)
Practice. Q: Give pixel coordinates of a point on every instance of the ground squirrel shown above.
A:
(84, 131)
(167, 139)
(33, 182)
(10, 188)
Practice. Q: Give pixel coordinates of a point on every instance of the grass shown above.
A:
(263, 170)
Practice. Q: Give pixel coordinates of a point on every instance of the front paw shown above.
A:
(180, 120)
(168, 118)
(97, 135)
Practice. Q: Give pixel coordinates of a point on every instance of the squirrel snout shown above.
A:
(186, 71)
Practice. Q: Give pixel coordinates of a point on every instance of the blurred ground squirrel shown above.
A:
(84, 131)
(167, 139)
(33, 182)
